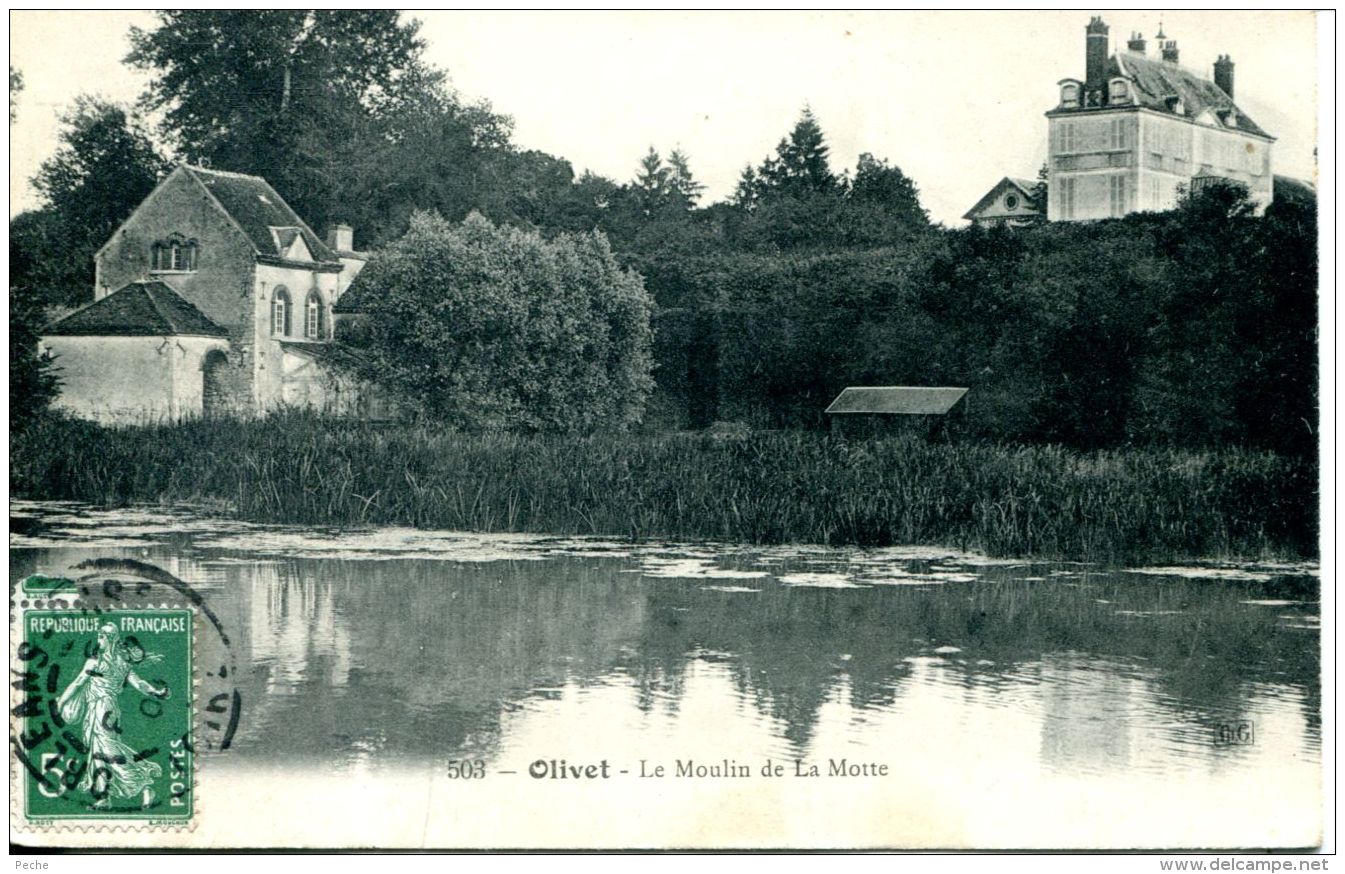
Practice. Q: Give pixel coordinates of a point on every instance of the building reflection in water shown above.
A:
(293, 625)
(364, 663)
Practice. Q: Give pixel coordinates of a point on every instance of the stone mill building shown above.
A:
(213, 298)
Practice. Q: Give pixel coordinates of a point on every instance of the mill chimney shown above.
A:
(1136, 43)
(1223, 74)
(1095, 54)
(341, 238)
(1169, 48)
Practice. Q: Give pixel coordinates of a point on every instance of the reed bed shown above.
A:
(1043, 501)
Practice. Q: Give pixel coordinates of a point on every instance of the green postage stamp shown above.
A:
(102, 715)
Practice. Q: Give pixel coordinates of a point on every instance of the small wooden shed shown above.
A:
(886, 409)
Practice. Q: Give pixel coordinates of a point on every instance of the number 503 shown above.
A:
(466, 769)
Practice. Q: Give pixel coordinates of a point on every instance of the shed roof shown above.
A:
(323, 351)
(898, 400)
(141, 309)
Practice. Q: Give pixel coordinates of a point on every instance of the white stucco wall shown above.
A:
(306, 382)
(269, 378)
(1113, 163)
(125, 380)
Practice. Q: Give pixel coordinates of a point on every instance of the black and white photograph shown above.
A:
(671, 430)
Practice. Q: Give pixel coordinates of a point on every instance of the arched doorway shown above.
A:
(214, 392)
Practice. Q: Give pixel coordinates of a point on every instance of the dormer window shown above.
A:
(1069, 95)
(173, 255)
(290, 244)
(1118, 91)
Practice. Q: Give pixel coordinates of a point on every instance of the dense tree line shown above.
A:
(1195, 327)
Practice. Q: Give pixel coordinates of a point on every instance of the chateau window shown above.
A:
(1155, 193)
(313, 317)
(1117, 138)
(1117, 190)
(1067, 198)
(1069, 95)
(173, 255)
(1066, 137)
(1119, 91)
(280, 312)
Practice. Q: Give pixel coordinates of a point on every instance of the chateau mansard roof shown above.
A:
(256, 208)
(141, 309)
(1170, 89)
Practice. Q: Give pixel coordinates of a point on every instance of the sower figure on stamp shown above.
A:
(90, 701)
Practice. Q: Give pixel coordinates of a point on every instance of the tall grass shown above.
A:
(1116, 506)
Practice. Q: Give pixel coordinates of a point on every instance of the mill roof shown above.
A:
(897, 400)
(256, 208)
(141, 309)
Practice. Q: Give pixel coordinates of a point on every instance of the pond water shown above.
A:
(1008, 703)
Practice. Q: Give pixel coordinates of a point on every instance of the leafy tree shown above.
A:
(882, 205)
(15, 88)
(880, 183)
(489, 327)
(1233, 357)
(104, 166)
(1041, 194)
(594, 202)
(267, 73)
(1190, 375)
(295, 96)
(32, 380)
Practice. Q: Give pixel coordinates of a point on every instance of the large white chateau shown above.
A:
(1135, 127)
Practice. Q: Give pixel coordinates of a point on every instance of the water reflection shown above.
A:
(368, 663)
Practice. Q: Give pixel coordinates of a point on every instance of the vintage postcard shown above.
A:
(667, 430)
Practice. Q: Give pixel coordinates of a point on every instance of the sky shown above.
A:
(956, 100)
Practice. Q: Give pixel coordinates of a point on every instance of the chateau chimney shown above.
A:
(1223, 74)
(341, 238)
(1136, 43)
(1169, 48)
(1095, 54)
